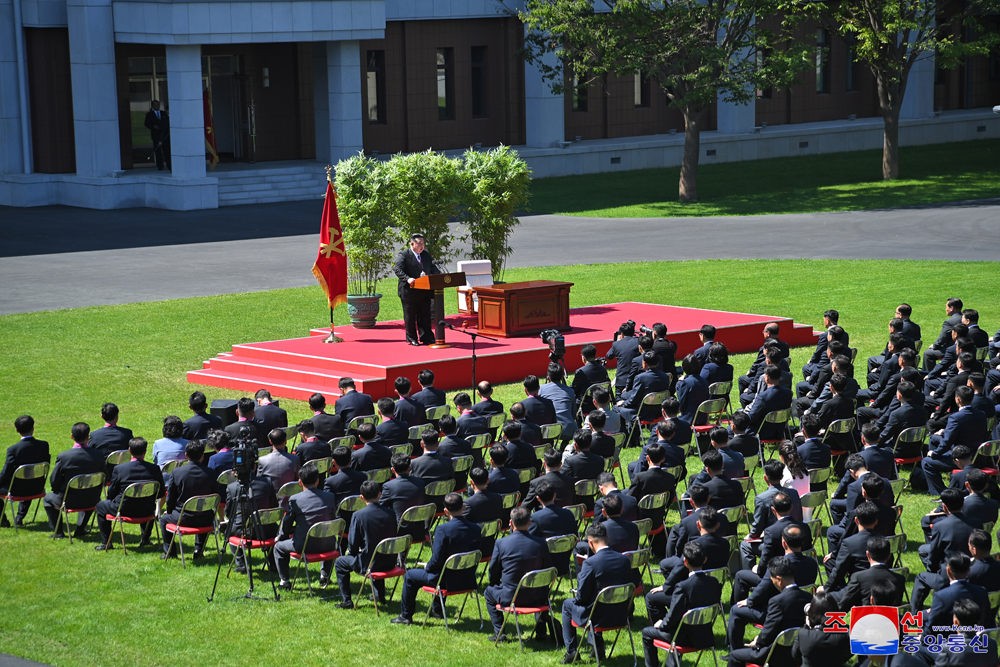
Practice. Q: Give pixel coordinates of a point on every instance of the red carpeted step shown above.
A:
(251, 383)
(277, 370)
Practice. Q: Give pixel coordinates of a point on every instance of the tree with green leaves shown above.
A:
(696, 50)
(890, 36)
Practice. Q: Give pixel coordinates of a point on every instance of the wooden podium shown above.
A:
(439, 282)
(523, 309)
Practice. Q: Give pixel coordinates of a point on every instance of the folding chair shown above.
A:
(533, 579)
(982, 353)
(525, 475)
(897, 545)
(899, 516)
(171, 466)
(322, 465)
(264, 451)
(480, 442)
(265, 517)
(390, 546)
(747, 484)
(418, 514)
(839, 427)
(489, 529)
(650, 503)
(722, 390)
(227, 477)
(380, 475)
(781, 417)
(644, 526)
(722, 575)
(209, 503)
(698, 616)
(358, 421)
(679, 474)
(713, 407)
(343, 441)
(734, 515)
(462, 465)
(897, 486)
(750, 464)
(402, 448)
(318, 531)
(905, 571)
(435, 412)
(822, 476)
(651, 403)
(785, 638)
(988, 450)
(809, 553)
(619, 439)
(438, 490)
(639, 560)
(812, 501)
(589, 394)
(550, 432)
(909, 435)
(30, 474)
(540, 451)
(854, 355)
(468, 560)
(79, 484)
(133, 492)
(120, 457)
(417, 432)
(560, 544)
(994, 598)
(610, 595)
(816, 534)
(508, 502)
(288, 490)
(578, 512)
(496, 421)
(586, 488)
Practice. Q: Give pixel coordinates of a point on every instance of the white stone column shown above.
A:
(95, 99)
(736, 118)
(187, 112)
(918, 100)
(545, 111)
(344, 112)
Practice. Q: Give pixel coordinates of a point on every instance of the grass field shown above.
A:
(831, 182)
(68, 605)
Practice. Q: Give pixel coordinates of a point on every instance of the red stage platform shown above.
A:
(298, 367)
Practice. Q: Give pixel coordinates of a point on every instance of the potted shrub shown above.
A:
(495, 184)
(368, 235)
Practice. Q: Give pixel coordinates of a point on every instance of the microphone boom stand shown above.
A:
(474, 336)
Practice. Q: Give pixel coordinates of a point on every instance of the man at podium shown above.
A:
(410, 265)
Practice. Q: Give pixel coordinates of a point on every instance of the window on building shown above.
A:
(376, 87)
(641, 90)
(763, 93)
(822, 60)
(478, 82)
(446, 83)
(851, 66)
(579, 102)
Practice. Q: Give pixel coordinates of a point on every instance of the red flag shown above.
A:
(211, 149)
(330, 268)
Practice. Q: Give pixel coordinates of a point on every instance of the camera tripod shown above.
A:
(251, 529)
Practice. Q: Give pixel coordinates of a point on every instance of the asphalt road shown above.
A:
(61, 257)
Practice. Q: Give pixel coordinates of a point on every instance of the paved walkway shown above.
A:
(62, 257)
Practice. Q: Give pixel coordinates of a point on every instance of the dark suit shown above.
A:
(432, 467)
(692, 391)
(198, 426)
(369, 526)
(815, 454)
(563, 486)
(484, 507)
(605, 568)
(647, 382)
(773, 398)
(513, 557)
(373, 455)
(269, 417)
(159, 132)
(26, 451)
(725, 493)
(470, 424)
(353, 404)
(539, 410)
(416, 302)
(623, 351)
(400, 494)
(978, 507)
(906, 415)
(431, 397)
(804, 568)
(458, 535)
(940, 613)
(346, 482)
(698, 590)
(554, 521)
(935, 350)
(653, 481)
(630, 507)
(687, 529)
(949, 533)
(233, 431)
(109, 439)
(587, 375)
(785, 610)
(452, 446)
(194, 479)
(393, 432)
(69, 464)
(504, 481)
(313, 449)
(859, 588)
(580, 466)
(717, 552)
(623, 535)
(814, 647)
(327, 426)
(850, 558)
(123, 476)
(488, 406)
(770, 546)
(410, 411)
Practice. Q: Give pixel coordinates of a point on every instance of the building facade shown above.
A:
(309, 82)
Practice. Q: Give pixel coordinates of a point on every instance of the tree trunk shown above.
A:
(890, 143)
(688, 188)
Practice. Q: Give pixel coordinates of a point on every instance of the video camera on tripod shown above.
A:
(245, 453)
(556, 343)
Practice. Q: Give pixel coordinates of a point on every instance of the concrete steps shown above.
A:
(291, 182)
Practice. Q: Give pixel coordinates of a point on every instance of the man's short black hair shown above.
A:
(656, 453)
(109, 412)
(588, 352)
(879, 548)
(780, 567)
(517, 410)
(883, 592)
(832, 315)
(794, 536)
(553, 458)
(959, 563)
(741, 421)
(708, 331)
(80, 432)
(531, 384)
(400, 462)
(498, 454)
(978, 480)
(197, 401)
(429, 438)
(137, 447)
(671, 406)
(520, 517)
(699, 494)
(342, 456)
(426, 377)
(691, 365)
(952, 499)
(448, 425)
(665, 429)
(838, 383)
(772, 328)
(694, 554)
(453, 503)
(194, 450)
(367, 432)
(582, 438)
(651, 359)
(606, 478)
(709, 518)
(309, 474)
(277, 437)
(964, 394)
(24, 425)
(246, 407)
(972, 315)
(546, 491)
(966, 611)
(719, 435)
(907, 389)
(773, 373)
(555, 373)
(713, 460)
(462, 400)
(370, 490)
(346, 383)
(386, 406)
(981, 540)
(781, 502)
(512, 430)
(773, 470)
(871, 432)
(317, 402)
(402, 385)
(811, 425)
(306, 427)
(597, 418)
(867, 514)
(598, 532)
(479, 476)
(873, 486)
(612, 505)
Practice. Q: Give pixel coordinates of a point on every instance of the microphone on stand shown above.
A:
(445, 324)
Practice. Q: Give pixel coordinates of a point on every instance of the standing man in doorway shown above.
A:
(158, 123)
(411, 264)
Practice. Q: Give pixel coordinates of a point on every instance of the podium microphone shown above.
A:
(445, 324)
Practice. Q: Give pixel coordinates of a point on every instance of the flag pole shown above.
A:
(332, 338)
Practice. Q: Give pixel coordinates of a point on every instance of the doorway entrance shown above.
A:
(147, 81)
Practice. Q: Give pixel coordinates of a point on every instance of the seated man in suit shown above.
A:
(600, 443)
(111, 437)
(487, 406)
(124, 475)
(772, 356)
(808, 391)
(859, 588)
(246, 409)
(984, 570)
(649, 381)
(752, 592)
(311, 447)
(279, 466)
(562, 398)
(814, 452)
(815, 646)
(530, 432)
(327, 426)
(268, 415)
(830, 319)
(26, 451)
(963, 465)
(451, 446)
(664, 435)
(771, 399)
(402, 492)
(976, 505)
(771, 545)
(391, 431)
(483, 506)
(623, 535)
(785, 610)
(732, 460)
(346, 481)
(455, 536)
(81, 459)
(582, 465)
(369, 526)
(966, 426)
(716, 548)
(934, 351)
(520, 454)
(687, 528)
(194, 479)
(692, 391)
(852, 553)
(469, 423)
(665, 612)
(553, 521)
(654, 480)
(553, 476)
(949, 533)
(607, 487)
(903, 413)
(263, 497)
(725, 492)
(605, 568)
(592, 372)
(938, 375)
(429, 395)
(763, 516)
(602, 403)
(771, 331)
(959, 588)
(513, 557)
(431, 466)
(197, 426)
(503, 480)
(408, 410)
(539, 410)
(352, 403)
(740, 441)
(373, 453)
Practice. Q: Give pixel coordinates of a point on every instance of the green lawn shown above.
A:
(831, 182)
(68, 605)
